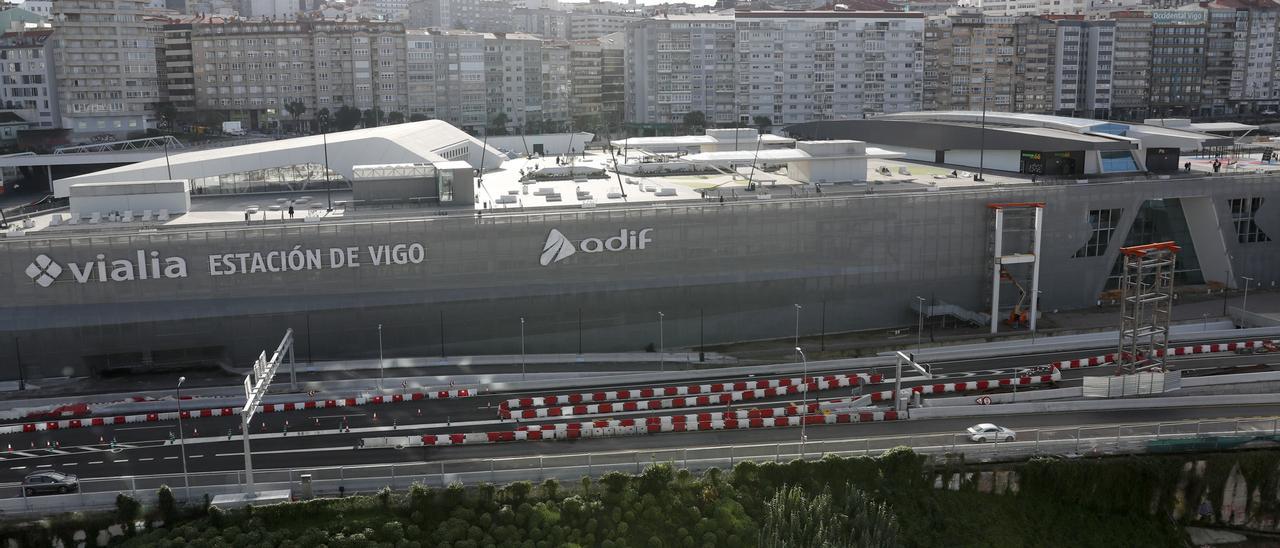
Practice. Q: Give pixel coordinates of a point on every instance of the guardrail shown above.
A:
(337, 480)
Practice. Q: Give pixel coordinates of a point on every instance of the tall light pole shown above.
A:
(328, 186)
(381, 363)
(797, 335)
(522, 348)
(662, 344)
(804, 402)
(182, 441)
(920, 321)
(1244, 305)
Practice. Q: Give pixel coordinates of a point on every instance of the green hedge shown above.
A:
(1111, 502)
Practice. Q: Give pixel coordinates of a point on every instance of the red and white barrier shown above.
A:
(228, 411)
(734, 420)
(1108, 359)
(687, 390)
(951, 387)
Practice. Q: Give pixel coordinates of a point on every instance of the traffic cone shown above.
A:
(419, 411)
(375, 416)
(10, 447)
(102, 440)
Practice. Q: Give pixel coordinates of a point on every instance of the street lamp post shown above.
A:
(982, 133)
(522, 374)
(1244, 305)
(662, 344)
(381, 363)
(920, 321)
(804, 402)
(182, 442)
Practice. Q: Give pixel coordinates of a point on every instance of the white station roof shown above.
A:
(784, 155)
(429, 141)
(692, 141)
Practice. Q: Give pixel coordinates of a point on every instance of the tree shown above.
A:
(395, 117)
(417, 117)
(695, 119)
(168, 505)
(762, 122)
(795, 520)
(127, 511)
(346, 118)
(373, 117)
(168, 115)
(295, 109)
(323, 119)
(498, 124)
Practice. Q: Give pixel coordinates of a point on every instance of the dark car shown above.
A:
(43, 483)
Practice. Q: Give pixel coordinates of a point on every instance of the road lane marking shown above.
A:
(144, 427)
(58, 451)
(95, 462)
(171, 458)
(44, 466)
(145, 459)
(195, 456)
(289, 451)
(18, 468)
(69, 464)
(340, 416)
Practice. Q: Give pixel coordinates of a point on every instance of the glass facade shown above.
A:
(1102, 224)
(1243, 213)
(297, 177)
(1163, 221)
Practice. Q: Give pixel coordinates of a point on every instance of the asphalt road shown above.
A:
(318, 451)
(313, 439)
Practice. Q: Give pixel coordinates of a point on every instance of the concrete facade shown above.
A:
(28, 82)
(710, 268)
(681, 64)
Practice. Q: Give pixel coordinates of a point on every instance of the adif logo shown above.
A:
(558, 247)
(43, 270)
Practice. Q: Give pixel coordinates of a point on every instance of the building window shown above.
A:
(1102, 226)
(1243, 213)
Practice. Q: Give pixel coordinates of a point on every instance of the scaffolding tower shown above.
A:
(1016, 225)
(1146, 305)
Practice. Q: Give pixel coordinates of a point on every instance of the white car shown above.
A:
(989, 432)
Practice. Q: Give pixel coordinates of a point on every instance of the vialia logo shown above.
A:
(147, 265)
(558, 247)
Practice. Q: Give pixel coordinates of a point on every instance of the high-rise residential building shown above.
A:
(586, 23)
(585, 60)
(974, 56)
(799, 66)
(446, 75)
(1131, 70)
(680, 64)
(474, 15)
(272, 9)
(177, 74)
(254, 71)
(1036, 65)
(547, 23)
(557, 85)
(105, 58)
(1255, 59)
(28, 83)
(513, 78)
(613, 77)
(1085, 62)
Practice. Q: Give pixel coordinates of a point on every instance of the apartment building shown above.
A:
(105, 61)
(585, 23)
(1036, 65)
(1131, 69)
(824, 65)
(473, 15)
(447, 78)
(1083, 75)
(548, 23)
(586, 58)
(1255, 59)
(252, 71)
(177, 73)
(613, 77)
(975, 59)
(680, 64)
(28, 83)
(557, 85)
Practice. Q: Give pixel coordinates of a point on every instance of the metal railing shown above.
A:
(1086, 441)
